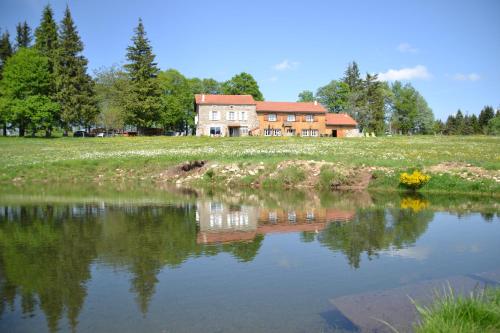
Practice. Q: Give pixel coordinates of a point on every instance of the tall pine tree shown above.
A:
(46, 36)
(74, 87)
(143, 103)
(23, 37)
(5, 53)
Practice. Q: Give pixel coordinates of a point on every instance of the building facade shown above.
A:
(241, 115)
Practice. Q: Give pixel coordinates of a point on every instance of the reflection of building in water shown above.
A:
(220, 222)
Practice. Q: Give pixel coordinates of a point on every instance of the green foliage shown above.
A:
(142, 101)
(404, 107)
(476, 313)
(494, 126)
(46, 37)
(23, 37)
(486, 114)
(333, 96)
(242, 84)
(177, 98)
(111, 83)
(74, 87)
(205, 86)
(330, 178)
(26, 86)
(306, 96)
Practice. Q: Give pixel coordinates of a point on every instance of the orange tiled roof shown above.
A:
(224, 99)
(340, 119)
(309, 107)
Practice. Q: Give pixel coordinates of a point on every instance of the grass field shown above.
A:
(83, 159)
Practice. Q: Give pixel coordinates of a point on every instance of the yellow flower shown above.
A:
(415, 180)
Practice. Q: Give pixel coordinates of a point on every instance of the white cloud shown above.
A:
(407, 48)
(417, 72)
(286, 65)
(466, 77)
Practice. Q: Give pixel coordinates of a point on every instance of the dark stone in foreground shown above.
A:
(369, 311)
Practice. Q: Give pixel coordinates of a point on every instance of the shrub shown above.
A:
(414, 180)
(329, 178)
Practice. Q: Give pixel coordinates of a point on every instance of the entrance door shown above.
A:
(334, 133)
(234, 131)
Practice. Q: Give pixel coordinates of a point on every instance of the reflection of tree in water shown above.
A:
(373, 230)
(45, 257)
(46, 252)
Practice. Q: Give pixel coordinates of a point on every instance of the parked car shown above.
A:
(80, 134)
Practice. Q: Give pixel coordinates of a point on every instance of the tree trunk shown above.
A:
(65, 133)
(48, 132)
(21, 130)
(5, 128)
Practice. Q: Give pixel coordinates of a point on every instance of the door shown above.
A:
(234, 131)
(334, 133)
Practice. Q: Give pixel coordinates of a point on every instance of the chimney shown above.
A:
(203, 97)
(315, 102)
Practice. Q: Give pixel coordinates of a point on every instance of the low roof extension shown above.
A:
(224, 99)
(342, 119)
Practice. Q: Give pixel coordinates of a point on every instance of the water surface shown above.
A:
(185, 261)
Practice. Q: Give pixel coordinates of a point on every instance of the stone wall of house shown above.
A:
(205, 122)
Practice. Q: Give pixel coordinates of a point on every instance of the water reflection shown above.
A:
(47, 250)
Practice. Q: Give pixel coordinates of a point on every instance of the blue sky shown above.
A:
(449, 50)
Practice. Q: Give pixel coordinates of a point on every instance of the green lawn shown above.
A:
(77, 159)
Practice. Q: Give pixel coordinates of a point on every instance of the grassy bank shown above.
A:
(458, 314)
(143, 159)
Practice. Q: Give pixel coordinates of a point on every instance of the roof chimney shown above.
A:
(315, 102)
(203, 97)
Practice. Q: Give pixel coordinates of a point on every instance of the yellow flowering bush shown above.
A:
(415, 180)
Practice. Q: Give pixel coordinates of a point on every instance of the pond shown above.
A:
(194, 261)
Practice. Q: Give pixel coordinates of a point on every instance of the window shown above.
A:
(290, 117)
(292, 217)
(309, 117)
(214, 115)
(214, 131)
(230, 116)
(271, 117)
(244, 130)
(243, 116)
(268, 132)
(273, 217)
(290, 131)
(310, 132)
(277, 132)
(310, 216)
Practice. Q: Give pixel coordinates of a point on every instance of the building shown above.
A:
(340, 125)
(241, 115)
(225, 115)
(291, 119)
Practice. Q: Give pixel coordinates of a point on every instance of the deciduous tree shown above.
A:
(242, 84)
(306, 96)
(333, 96)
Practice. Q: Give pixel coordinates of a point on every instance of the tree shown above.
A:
(459, 122)
(204, 86)
(75, 88)
(306, 96)
(143, 103)
(242, 84)
(373, 119)
(23, 37)
(46, 36)
(5, 53)
(404, 107)
(424, 120)
(178, 107)
(25, 87)
(110, 86)
(333, 96)
(352, 77)
(485, 115)
(494, 126)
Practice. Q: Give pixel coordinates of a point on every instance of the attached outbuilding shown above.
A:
(341, 125)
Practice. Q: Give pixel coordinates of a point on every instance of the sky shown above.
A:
(448, 50)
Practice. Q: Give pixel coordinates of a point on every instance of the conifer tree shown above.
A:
(352, 77)
(46, 36)
(23, 37)
(143, 102)
(74, 87)
(5, 53)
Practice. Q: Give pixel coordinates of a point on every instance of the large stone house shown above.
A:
(241, 115)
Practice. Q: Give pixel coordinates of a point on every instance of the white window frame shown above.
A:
(244, 130)
(277, 132)
(268, 132)
(214, 115)
(231, 115)
(309, 118)
(313, 132)
(243, 116)
(304, 132)
(272, 117)
(290, 118)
